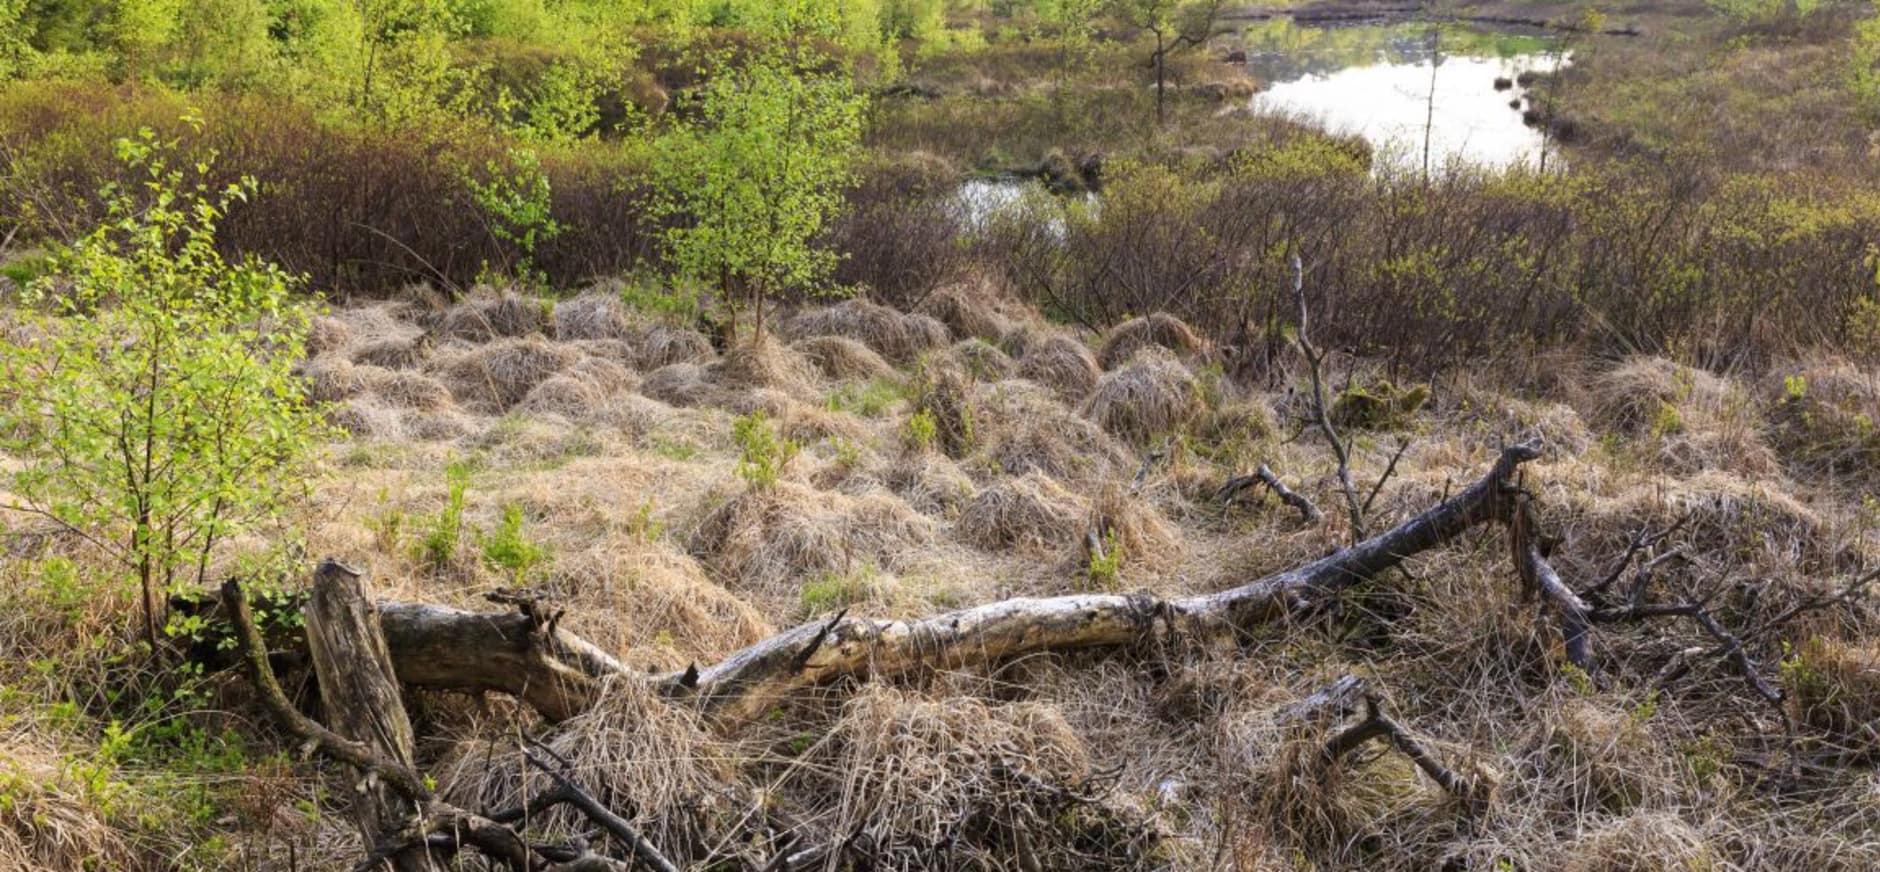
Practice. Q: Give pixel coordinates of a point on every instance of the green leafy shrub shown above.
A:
(157, 413)
(763, 454)
(508, 549)
(446, 531)
(517, 201)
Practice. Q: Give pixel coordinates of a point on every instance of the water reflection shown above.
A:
(1376, 82)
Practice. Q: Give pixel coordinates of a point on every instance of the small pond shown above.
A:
(1386, 82)
(1391, 83)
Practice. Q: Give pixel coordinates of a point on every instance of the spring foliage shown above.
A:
(754, 182)
(156, 411)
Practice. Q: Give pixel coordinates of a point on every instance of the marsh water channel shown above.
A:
(1420, 94)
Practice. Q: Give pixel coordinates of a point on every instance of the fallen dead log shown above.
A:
(527, 654)
(744, 684)
(411, 829)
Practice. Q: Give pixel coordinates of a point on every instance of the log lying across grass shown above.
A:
(527, 654)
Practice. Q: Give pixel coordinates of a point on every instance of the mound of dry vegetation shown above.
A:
(993, 602)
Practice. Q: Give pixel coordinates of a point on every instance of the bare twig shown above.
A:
(1321, 411)
(1264, 476)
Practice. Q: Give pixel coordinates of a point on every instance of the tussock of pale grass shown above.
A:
(332, 379)
(959, 777)
(507, 316)
(769, 539)
(980, 359)
(326, 333)
(1151, 397)
(943, 393)
(1160, 330)
(367, 418)
(1834, 687)
(663, 345)
(1031, 513)
(655, 763)
(1127, 521)
(1695, 420)
(395, 352)
(898, 337)
(1022, 428)
(1825, 418)
(840, 358)
(766, 364)
(1588, 756)
(932, 484)
(1643, 842)
(367, 324)
(967, 311)
(679, 384)
(48, 823)
(493, 378)
(1760, 524)
(651, 603)
(593, 315)
(408, 390)
(1060, 363)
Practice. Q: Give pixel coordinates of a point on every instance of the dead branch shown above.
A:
(1265, 477)
(1321, 411)
(528, 656)
(747, 682)
(1473, 794)
(1539, 578)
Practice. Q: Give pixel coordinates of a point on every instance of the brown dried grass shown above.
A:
(1060, 363)
(898, 337)
(1151, 397)
(1160, 330)
(1030, 513)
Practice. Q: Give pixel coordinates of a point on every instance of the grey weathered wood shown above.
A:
(359, 691)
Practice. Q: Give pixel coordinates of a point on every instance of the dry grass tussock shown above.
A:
(1131, 523)
(1693, 419)
(50, 822)
(492, 379)
(977, 783)
(1021, 428)
(1593, 756)
(1756, 524)
(1835, 687)
(840, 358)
(768, 540)
(593, 315)
(653, 758)
(1644, 842)
(899, 337)
(968, 311)
(1031, 513)
(1160, 330)
(650, 600)
(1151, 397)
(504, 316)
(1825, 419)
(981, 359)
(767, 364)
(1060, 363)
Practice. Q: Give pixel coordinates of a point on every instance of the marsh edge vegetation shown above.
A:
(623, 434)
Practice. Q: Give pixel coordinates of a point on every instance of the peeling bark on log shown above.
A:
(360, 695)
(750, 680)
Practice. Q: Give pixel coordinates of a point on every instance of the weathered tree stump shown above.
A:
(359, 692)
